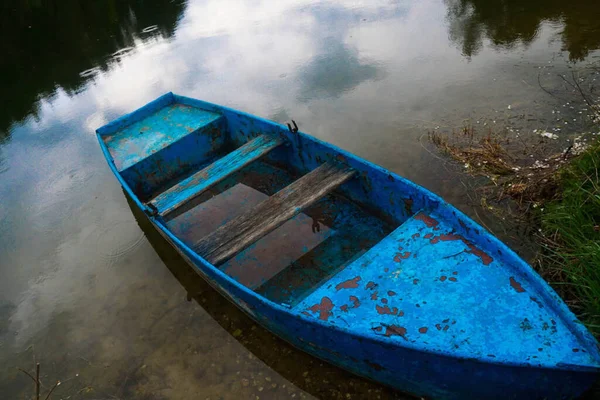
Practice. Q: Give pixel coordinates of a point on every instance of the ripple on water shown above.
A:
(117, 240)
(51, 207)
(89, 72)
(150, 28)
(122, 52)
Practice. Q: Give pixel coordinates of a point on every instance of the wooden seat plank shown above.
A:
(252, 225)
(195, 185)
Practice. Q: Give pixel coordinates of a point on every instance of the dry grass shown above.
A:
(485, 155)
(524, 180)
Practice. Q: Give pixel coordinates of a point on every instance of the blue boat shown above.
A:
(346, 260)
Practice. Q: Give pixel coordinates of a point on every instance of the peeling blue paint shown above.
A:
(427, 281)
(143, 138)
(429, 302)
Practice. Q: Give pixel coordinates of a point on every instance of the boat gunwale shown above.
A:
(556, 304)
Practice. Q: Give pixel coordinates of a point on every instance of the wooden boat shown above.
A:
(345, 260)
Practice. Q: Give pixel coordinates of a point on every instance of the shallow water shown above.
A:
(87, 287)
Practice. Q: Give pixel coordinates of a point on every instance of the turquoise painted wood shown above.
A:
(380, 277)
(401, 289)
(133, 143)
(196, 184)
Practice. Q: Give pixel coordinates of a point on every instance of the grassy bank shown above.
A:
(570, 226)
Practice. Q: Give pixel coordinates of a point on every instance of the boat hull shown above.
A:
(417, 373)
(410, 364)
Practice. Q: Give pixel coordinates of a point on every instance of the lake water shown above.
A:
(91, 291)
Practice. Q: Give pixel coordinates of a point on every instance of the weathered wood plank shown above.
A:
(195, 185)
(247, 228)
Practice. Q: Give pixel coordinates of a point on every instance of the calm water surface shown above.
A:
(88, 288)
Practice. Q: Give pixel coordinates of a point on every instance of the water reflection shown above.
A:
(82, 288)
(507, 23)
(48, 44)
(335, 71)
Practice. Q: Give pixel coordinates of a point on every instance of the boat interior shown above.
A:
(279, 228)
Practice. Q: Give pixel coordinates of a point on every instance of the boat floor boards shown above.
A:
(247, 228)
(294, 259)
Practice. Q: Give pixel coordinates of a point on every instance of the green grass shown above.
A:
(571, 224)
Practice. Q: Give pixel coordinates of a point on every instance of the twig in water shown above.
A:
(590, 104)
(28, 374)
(544, 89)
(37, 381)
(51, 390)
(576, 86)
